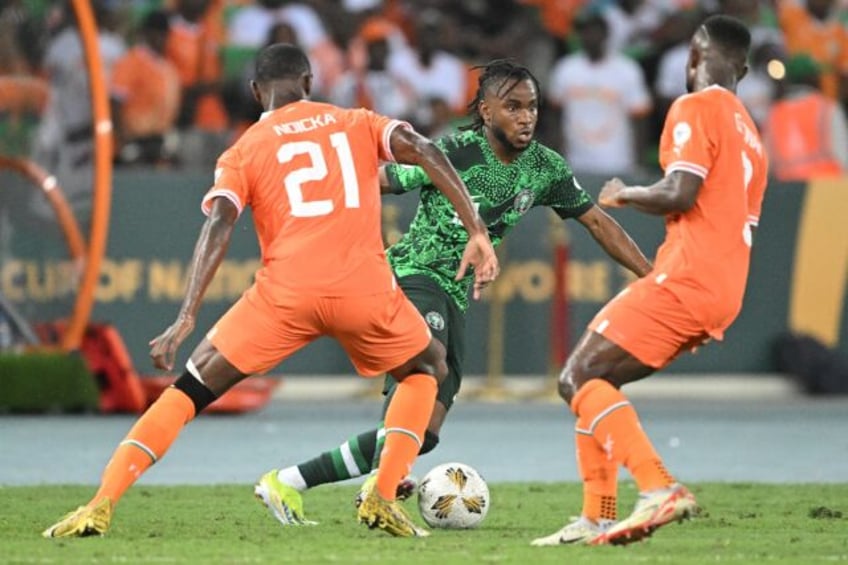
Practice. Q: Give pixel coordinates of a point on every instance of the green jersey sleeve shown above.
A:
(565, 195)
(405, 178)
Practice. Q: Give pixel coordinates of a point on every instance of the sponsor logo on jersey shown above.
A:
(523, 201)
(435, 320)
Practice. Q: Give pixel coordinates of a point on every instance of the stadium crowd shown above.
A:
(178, 72)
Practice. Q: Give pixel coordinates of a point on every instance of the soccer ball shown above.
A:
(453, 496)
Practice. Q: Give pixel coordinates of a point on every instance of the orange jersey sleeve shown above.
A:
(309, 172)
(705, 257)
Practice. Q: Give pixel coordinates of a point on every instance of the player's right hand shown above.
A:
(608, 197)
(163, 348)
(480, 254)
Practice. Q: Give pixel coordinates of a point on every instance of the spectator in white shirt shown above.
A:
(604, 101)
(428, 68)
(374, 87)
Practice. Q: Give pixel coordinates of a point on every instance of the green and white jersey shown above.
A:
(502, 193)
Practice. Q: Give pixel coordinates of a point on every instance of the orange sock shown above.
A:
(599, 474)
(406, 421)
(613, 422)
(146, 443)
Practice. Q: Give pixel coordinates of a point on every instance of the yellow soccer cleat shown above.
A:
(581, 531)
(84, 521)
(654, 509)
(388, 515)
(284, 501)
(406, 488)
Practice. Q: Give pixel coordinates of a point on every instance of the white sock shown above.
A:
(292, 477)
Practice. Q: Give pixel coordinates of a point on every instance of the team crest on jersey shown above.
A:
(682, 133)
(435, 320)
(523, 201)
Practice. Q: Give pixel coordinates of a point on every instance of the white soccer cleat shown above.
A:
(582, 531)
(654, 509)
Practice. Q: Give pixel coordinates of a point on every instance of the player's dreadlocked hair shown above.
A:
(504, 74)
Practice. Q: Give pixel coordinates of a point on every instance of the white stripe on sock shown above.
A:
(142, 447)
(609, 409)
(349, 461)
(411, 434)
(292, 477)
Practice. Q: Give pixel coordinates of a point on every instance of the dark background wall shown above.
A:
(156, 218)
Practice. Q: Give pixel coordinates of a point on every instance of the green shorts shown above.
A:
(447, 323)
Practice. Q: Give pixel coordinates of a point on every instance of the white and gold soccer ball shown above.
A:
(453, 496)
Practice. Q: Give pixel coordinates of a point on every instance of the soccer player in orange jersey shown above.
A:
(715, 177)
(309, 171)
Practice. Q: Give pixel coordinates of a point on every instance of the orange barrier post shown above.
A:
(53, 192)
(102, 191)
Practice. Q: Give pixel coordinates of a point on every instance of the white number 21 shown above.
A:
(302, 208)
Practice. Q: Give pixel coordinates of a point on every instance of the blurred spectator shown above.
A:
(375, 87)
(557, 15)
(64, 144)
(22, 102)
(604, 99)
(806, 132)
(252, 24)
(814, 29)
(12, 17)
(428, 67)
(441, 119)
(192, 48)
(146, 96)
(493, 29)
(243, 107)
(756, 90)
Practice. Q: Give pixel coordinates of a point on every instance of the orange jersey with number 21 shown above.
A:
(315, 198)
(705, 257)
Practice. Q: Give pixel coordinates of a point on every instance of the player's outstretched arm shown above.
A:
(676, 192)
(412, 148)
(615, 241)
(209, 251)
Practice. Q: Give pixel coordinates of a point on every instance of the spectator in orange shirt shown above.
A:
(816, 31)
(145, 95)
(806, 133)
(192, 47)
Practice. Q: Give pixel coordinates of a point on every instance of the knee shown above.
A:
(434, 362)
(577, 372)
(566, 387)
(431, 440)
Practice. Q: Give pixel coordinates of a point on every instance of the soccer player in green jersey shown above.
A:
(507, 173)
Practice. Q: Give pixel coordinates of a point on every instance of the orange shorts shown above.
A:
(379, 332)
(650, 323)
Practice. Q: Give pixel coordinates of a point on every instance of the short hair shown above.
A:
(503, 71)
(281, 61)
(156, 20)
(589, 18)
(729, 34)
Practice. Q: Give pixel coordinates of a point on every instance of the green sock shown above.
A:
(378, 448)
(351, 459)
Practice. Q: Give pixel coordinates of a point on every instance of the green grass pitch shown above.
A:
(740, 523)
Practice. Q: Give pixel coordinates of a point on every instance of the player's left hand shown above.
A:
(608, 198)
(480, 254)
(163, 348)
